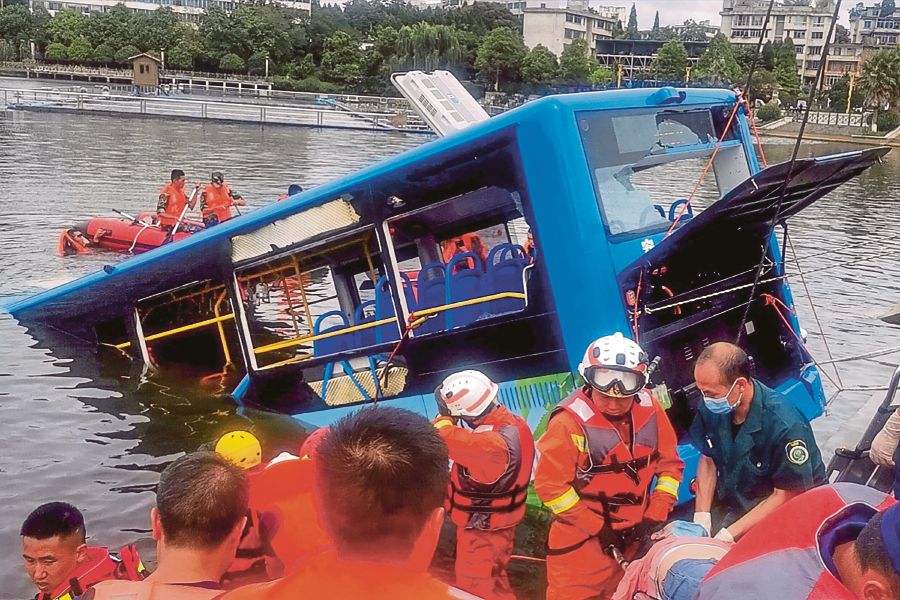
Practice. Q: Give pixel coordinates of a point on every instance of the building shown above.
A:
(517, 7)
(189, 10)
(554, 28)
(708, 29)
(844, 59)
(636, 56)
(146, 70)
(874, 25)
(807, 27)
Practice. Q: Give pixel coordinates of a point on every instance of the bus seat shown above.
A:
(464, 285)
(384, 309)
(338, 343)
(432, 292)
(365, 313)
(506, 262)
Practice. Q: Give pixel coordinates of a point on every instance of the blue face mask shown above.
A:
(721, 406)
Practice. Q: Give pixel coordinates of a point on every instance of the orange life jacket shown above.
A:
(617, 479)
(217, 201)
(99, 566)
(177, 200)
(468, 242)
(499, 504)
(151, 590)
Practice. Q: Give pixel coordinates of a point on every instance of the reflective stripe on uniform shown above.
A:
(579, 442)
(440, 423)
(563, 502)
(667, 484)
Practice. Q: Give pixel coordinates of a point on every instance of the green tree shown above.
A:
(342, 60)
(631, 31)
(303, 68)
(601, 77)
(693, 32)
(717, 64)
(767, 59)
(671, 61)
(56, 51)
(80, 50)
(654, 33)
(838, 92)
(182, 56)
(256, 64)
(115, 27)
(500, 55)
(104, 53)
(16, 25)
(539, 66)
(618, 32)
(231, 62)
(125, 52)
(575, 65)
(156, 31)
(881, 79)
(427, 47)
(67, 25)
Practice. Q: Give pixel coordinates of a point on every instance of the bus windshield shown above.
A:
(642, 164)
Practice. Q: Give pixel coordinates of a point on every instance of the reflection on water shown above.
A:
(93, 430)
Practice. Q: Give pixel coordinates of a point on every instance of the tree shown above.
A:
(539, 65)
(881, 79)
(500, 55)
(631, 31)
(843, 35)
(575, 65)
(671, 61)
(67, 25)
(427, 47)
(654, 33)
(16, 25)
(717, 64)
(80, 50)
(104, 53)
(618, 31)
(56, 51)
(181, 56)
(601, 76)
(256, 64)
(342, 60)
(693, 32)
(231, 62)
(838, 92)
(126, 52)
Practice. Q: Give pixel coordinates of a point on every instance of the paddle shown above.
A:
(187, 205)
(134, 220)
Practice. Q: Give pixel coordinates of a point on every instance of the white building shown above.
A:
(555, 27)
(807, 27)
(190, 10)
(872, 25)
(708, 28)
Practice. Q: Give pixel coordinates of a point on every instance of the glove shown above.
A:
(885, 443)
(725, 536)
(704, 519)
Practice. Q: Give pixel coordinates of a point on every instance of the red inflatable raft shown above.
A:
(118, 234)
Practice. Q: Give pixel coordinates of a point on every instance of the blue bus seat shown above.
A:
(506, 262)
(465, 284)
(384, 309)
(432, 293)
(365, 313)
(338, 343)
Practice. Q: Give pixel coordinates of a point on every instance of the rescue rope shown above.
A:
(756, 136)
(136, 236)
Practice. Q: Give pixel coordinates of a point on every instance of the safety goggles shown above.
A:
(624, 382)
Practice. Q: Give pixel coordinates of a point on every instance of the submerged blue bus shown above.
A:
(375, 286)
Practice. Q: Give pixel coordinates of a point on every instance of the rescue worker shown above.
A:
(172, 200)
(884, 447)
(58, 560)
(293, 190)
(603, 447)
(217, 199)
(200, 513)
(492, 461)
(835, 542)
(758, 449)
(468, 242)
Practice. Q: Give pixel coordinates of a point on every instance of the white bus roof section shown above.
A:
(440, 99)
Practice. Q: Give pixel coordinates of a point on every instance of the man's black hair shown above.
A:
(52, 519)
(872, 553)
(176, 173)
(730, 360)
(380, 472)
(201, 498)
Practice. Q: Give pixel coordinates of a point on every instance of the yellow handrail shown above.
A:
(417, 314)
(177, 330)
(321, 336)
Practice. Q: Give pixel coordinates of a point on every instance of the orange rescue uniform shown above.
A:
(171, 202)
(217, 202)
(488, 488)
(592, 471)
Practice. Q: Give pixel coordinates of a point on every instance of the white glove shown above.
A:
(704, 519)
(885, 443)
(725, 536)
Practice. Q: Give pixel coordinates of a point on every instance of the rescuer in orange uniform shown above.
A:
(603, 447)
(217, 199)
(492, 462)
(172, 200)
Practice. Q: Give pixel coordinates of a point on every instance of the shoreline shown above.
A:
(860, 140)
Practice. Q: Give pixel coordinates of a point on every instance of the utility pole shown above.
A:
(852, 85)
(620, 68)
(687, 76)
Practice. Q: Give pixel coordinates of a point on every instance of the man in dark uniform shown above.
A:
(758, 450)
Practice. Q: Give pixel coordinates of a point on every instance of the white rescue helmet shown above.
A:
(615, 366)
(467, 393)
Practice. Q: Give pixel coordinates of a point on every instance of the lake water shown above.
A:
(97, 434)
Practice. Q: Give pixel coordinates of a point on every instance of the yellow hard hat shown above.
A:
(241, 448)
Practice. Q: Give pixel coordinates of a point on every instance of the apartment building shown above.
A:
(877, 25)
(189, 10)
(555, 27)
(807, 26)
(708, 28)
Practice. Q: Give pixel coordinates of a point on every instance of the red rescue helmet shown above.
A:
(468, 393)
(615, 366)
